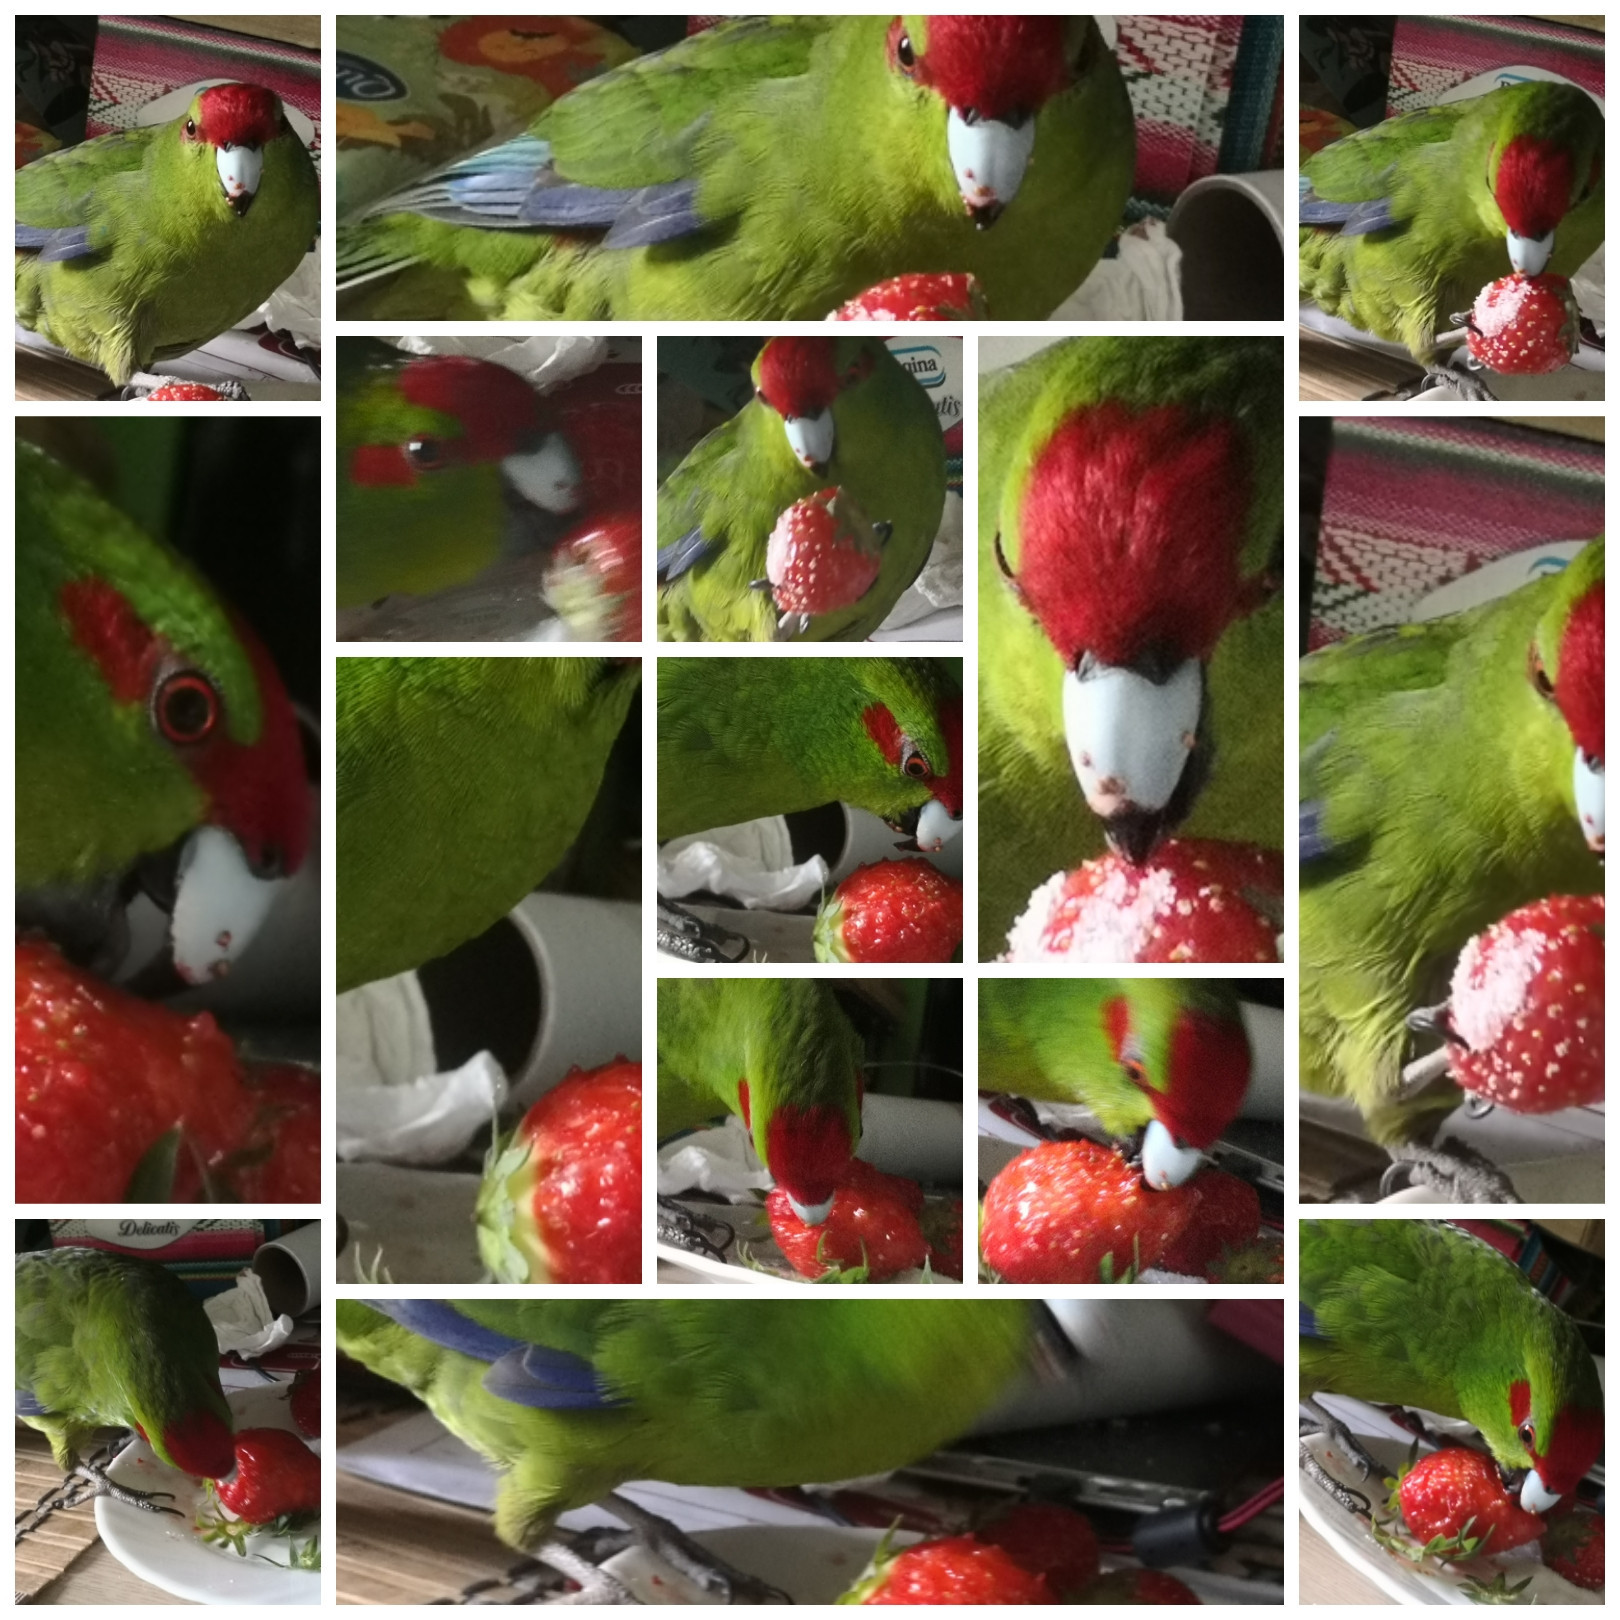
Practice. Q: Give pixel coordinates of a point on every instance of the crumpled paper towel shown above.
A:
(547, 362)
(721, 1161)
(1143, 283)
(750, 862)
(939, 585)
(242, 1320)
(392, 1103)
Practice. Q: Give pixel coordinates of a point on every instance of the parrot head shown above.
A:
(232, 124)
(993, 75)
(228, 749)
(917, 740)
(1189, 1055)
(1547, 161)
(199, 1442)
(1130, 525)
(465, 412)
(1553, 1431)
(1566, 668)
(800, 379)
(801, 1094)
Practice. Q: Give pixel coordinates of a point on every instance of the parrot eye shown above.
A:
(186, 708)
(191, 129)
(913, 761)
(426, 455)
(1132, 1061)
(904, 54)
(1527, 1435)
(1538, 674)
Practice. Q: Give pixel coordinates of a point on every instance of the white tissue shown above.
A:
(545, 361)
(720, 1161)
(750, 862)
(392, 1103)
(242, 1320)
(1143, 283)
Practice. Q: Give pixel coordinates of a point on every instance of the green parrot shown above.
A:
(461, 782)
(826, 412)
(1132, 670)
(1419, 1313)
(782, 1057)
(437, 457)
(146, 243)
(1450, 772)
(740, 738)
(156, 745)
(1161, 1062)
(571, 1399)
(106, 1340)
(773, 168)
(1405, 223)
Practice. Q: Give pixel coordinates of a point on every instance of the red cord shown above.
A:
(1256, 1505)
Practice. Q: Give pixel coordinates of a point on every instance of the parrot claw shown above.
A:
(1423, 1072)
(713, 1575)
(698, 1234)
(1460, 1173)
(791, 625)
(146, 1501)
(595, 1584)
(693, 940)
(1352, 1501)
(1338, 1435)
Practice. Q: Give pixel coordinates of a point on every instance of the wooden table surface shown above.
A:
(1324, 1577)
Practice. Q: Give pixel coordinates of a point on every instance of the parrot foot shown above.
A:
(1366, 1464)
(1352, 1501)
(1461, 1173)
(146, 382)
(717, 1578)
(146, 1501)
(681, 934)
(698, 1234)
(595, 1584)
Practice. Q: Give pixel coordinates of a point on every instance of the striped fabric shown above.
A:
(139, 59)
(1434, 53)
(1412, 503)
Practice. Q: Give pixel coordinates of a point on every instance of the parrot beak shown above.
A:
(812, 438)
(1529, 254)
(548, 476)
(1166, 1162)
(239, 170)
(1534, 1497)
(1589, 798)
(220, 904)
(936, 826)
(1130, 738)
(989, 156)
(811, 1214)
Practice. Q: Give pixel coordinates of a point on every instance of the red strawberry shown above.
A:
(1077, 1212)
(891, 911)
(1260, 1260)
(593, 578)
(1527, 1007)
(1228, 1216)
(1455, 1497)
(279, 1161)
(1525, 325)
(1573, 1544)
(1197, 900)
(942, 1227)
(872, 1225)
(304, 1402)
(276, 1474)
(104, 1078)
(823, 554)
(922, 296)
(561, 1198)
(183, 391)
(1138, 1586)
(1048, 1540)
(960, 1569)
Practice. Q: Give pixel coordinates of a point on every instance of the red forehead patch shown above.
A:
(1535, 181)
(1580, 673)
(1209, 1077)
(807, 1150)
(948, 788)
(498, 411)
(993, 66)
(239, 115)
(798, 375)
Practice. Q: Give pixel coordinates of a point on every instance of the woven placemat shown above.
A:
(45, 1553)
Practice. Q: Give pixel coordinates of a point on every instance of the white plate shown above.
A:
(167, 1552)
(1350, 1537)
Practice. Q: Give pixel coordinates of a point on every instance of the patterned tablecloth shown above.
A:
(1413, 503)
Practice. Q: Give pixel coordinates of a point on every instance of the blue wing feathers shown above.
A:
(683, 555)
(55, 243)
(438, 1321)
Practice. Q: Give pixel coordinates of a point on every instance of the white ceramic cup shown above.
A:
(1229, 228)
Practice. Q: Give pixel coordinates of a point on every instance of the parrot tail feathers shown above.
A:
(361, 258)
(554, 1380)
(55, 243)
